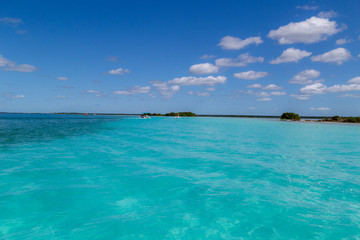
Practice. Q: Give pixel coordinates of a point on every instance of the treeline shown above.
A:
(342, 119)
(290, 116)
(173, 114)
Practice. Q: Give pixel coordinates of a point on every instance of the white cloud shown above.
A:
(92, 91)
(305, 77)
(14, 22)
(210, 89)
(234, 43)
(203, 94)
(311, 30)
(165, 89)
(301, 96)
(119, 71)
(259, 86)
(13, 96)
(206, 56)
(291, 55)
(272, 87)
(203, 68)
(325, 109)
(348, 95)
(319, 88)
(338, 55)
(8, 65)
(355, 80)
(316, 88)
(61, 96)
(113, 59)
(256, 85)
(264, 99)
(250, 75)
(343, 41)
(62, 78)
(343, 88)
(278, 93)
(133, 90)
(258, 94)
(21, 31)
(20, 68)
(198, 81)
(252, 108)
(328, 14)
(307, 7)
(241, 61)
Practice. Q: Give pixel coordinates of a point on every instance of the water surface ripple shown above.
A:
(111, 177)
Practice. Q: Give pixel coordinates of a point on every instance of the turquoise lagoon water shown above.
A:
(111, 177)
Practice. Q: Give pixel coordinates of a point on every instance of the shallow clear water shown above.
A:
(111, 177)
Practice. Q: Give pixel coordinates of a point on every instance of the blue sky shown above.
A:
(208, 57)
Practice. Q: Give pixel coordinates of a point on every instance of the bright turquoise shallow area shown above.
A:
(111, 177)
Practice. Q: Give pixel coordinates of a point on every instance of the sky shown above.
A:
(208, 57)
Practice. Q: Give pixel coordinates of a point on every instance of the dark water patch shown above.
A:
(25, 128)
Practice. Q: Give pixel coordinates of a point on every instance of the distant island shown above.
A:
(341, 119)
(173, 114)
(296, 117)
(290, 116)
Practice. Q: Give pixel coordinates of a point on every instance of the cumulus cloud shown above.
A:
(328, 14)
(210, 89)
(338, 56)
(268, 87)
(20, 68)
(14, 22)
(60, 96)
(343, 41)
(324, 109)
(206, 56)
(201, 94)
(264, 99)
(119, 71)
(319, 88)
(314, 29)
(305, 77)
(307, 7)
(203, 68)
(301, 96)
(198, 81)
(291, 55)
(234, 43)
(165, 89)
(272, 87)
(133, 90)
(250, 75)
(349, 95)
(316, 88)
(256, 85)
(278, 93)
(62, 78)
(241, 61)
(8, 65)
(92, 91)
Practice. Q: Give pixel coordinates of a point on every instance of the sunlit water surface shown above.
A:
(111, 177)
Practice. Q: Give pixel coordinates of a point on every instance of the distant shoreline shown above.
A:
(199, 115)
